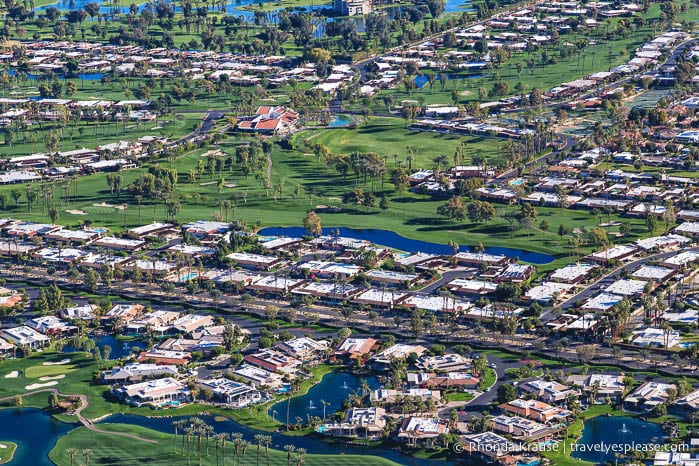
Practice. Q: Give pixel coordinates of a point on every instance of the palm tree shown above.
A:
(267, 441)
(258, 441)
(71, 452)
(244, 445)
(300, 453)
(289, 449)
(224, 437)
(86, 453)
(176, 425)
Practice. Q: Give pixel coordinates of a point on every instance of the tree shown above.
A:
(454, 209)
(72, 452)
(311, 223)
(506, 393)
(53, 215)
(385, 203)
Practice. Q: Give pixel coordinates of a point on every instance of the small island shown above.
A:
(7, 451)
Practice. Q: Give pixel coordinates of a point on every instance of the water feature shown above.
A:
(602, 436)
(40, 77)
(120, 348)
(35, 433)
(394, 240)
(340, 121)
(326, 391)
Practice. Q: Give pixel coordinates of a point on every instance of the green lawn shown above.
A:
(110, 449)
(48, 371)
(7, 451)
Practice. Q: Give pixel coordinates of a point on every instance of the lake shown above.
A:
(394, 240)
(120, 348)
(35, 433)
(334, 388)
(603, 435)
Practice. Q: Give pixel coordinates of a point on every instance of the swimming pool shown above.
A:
(188, 277)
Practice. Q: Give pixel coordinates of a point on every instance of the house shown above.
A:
(415, 429)
(445, 363)
(157, 321)
(383, 359)
(385, 395)
(324, 269)
(488, 444)
(86, 312)
(548, 291)
(615, 253)
(272, 360)
(166, 357)
(450, 380)
(276, 286)
(648, 396)
(536, 410)
(157, 393)
(230, 393)
(255, 261)
(24, 336)
(547, 391)
(688, 402)
(478, 259)
(10, 298)
(51, 326)
(123, 312)
(380, 298)
(260, 378)
(120, 244)
(573, 273)
(656, 338)
(271, 120)
(303, 348)
(136, 372)
(520, 427)
(203, 229)
(358, 422)
(190, 322)
(516, 273)
(354, 348)
(606, 385)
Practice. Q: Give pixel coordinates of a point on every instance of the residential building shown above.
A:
(536, 410)
(230, 393)
(548, 391)
(648, 396)
(416, 429)
(354, 348)
(156, 393)
(25, 336)
(358, 423)
(520, 427)
(136, 372)
(272, 360)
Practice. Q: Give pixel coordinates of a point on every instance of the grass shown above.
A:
(48, 371)
(459, 396)
(110, 449)
(7, 451)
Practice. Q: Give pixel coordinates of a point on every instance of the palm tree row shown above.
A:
(195, 431)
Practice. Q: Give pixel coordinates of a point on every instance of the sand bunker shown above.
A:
(34, 386)
(208, 183)
(213, 152)
(104, 204)
(3, 445)
(57, 363)
(76, 212)
(12, 375)
(46, 378)
(230, 185)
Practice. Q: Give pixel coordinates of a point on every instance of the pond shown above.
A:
(394, 240)
(35, 433)
(333, 389)
(340, 121)
(120, 348)
(602, 436)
